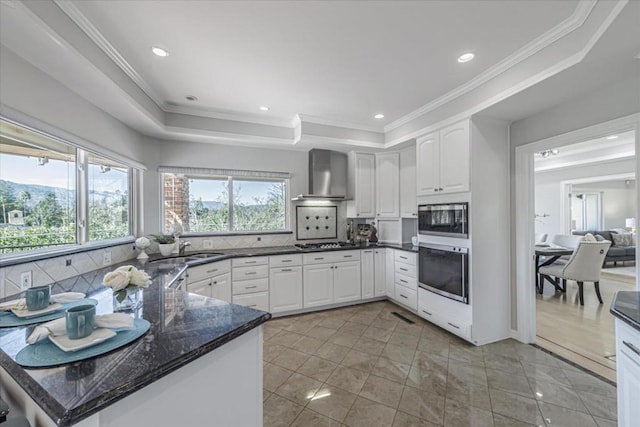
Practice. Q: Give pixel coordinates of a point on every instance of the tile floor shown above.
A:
(362, 366)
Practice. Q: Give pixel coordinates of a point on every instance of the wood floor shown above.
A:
(582, 334)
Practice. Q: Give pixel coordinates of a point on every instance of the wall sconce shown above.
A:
(43, 160)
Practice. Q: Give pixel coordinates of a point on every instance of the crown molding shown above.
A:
(607, 158)
(575, 21)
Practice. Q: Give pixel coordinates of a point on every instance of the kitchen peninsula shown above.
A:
(199, 353)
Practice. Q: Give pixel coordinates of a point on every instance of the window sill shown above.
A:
(246, 233)
(20, 258)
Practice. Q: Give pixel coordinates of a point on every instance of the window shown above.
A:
(44, 197)
(224, 204)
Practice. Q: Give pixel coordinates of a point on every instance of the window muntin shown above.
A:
(109, 198)
(224, 204)
(42, 193)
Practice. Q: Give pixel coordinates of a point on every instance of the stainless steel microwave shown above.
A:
(450, 220)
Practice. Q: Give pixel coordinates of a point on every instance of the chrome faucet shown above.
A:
(182, 247)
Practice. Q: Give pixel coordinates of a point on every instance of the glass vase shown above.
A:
(128, 299)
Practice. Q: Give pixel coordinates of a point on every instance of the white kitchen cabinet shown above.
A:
(390, 288)
(408, 182)
(202, 287)
(443, 160)
(362, 186)
(367, 263)
(221, 287)
(387, 185)
(250, 286)
(346, 281)
(258, 300)
(318, 285)
(628, 373)
(285, 289)
(380, 276)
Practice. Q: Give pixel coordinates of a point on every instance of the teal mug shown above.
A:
(38, 297)
(81, 320)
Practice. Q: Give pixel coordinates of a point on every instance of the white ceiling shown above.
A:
(338, 61)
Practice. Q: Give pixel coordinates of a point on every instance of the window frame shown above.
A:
(230, 177)
(83, 150)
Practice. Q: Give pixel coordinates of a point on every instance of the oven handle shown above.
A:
(454, 249)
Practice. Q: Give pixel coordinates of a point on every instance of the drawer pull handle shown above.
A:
(451, 324)
(318, 259)
(212, 270)
(367, 252)
(347, 256)
(633, 348)
(251, 287)
(427, 313)
(404, 296)
(287, 260)
(286, 269)
(249, 273)
(250, 262)
(403, 257)
(252, 305)
(404, 281)
(404, 269)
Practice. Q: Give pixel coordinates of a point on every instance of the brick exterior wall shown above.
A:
(176, 200)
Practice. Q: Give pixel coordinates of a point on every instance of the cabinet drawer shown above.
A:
(285, 260)
(249, 286)
(248, 273)
(205, 271)
(406, 296)
(406, 281)
(406, 257)
(406, 269)
(258, 301)
(330, 257)
(254, 260)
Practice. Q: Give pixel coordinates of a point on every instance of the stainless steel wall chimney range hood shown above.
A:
(327, 176)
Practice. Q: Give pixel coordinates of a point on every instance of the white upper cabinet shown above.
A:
(443, 160)
(361, 183)
(408, 190)
(387, 185)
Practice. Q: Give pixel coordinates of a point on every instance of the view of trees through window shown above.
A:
(39, 195)
(224, 204)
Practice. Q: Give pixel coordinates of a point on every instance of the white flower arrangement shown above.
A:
(123, 278)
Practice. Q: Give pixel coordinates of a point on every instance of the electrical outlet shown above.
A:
(106, 258)
(68, 262)
(25, 280)
(259, 239)
(207, 244)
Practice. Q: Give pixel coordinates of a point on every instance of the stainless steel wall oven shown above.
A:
(444, 270)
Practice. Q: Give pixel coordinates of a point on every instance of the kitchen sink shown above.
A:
(186, 258)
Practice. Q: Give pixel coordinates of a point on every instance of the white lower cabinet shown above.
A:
(451, 315)
(318, 285)
(390, 286)
(406, 296)
(285, 289)
(367, 263)
(218, 287)
(346, 281)
(628, 373)
(258, 300)
(251, 282)
(380, 276)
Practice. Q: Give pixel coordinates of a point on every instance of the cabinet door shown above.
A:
(202, 287)
(454, 158)
(346, 281)
(380, 278)
(285, 289)
(389, 274)
(367, 273)
(387, 185)
(221, 287)
(408, 179)
(365, 185)
(628, 367)
(317, 284)
(428, 164)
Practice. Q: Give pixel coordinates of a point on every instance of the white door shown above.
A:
(202, 287)
(221, 287)
(428, 164)
(346, 281)
(408, 190)
(365, 185)
(387, 185)
(317, 284)
(380, 279)
(367, 273)
(454, 158)
(285, 289)
(390, 263)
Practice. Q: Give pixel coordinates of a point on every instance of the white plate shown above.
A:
(23, 313)
(98, 335)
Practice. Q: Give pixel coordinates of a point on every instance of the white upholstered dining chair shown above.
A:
(583, 266)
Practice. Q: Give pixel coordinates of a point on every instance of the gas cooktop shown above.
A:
(325, 245)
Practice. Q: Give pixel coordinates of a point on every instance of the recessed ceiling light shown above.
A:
(612, 137)
(158, 51)
(379, 116)
(466, 57)
(191, 98)
(264, 108)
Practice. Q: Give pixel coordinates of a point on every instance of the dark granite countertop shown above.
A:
(183, 327)
(626, 307)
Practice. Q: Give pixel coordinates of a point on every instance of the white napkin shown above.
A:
(59, 326)
(62, 298)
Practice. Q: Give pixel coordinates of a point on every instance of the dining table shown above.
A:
(546, 255)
